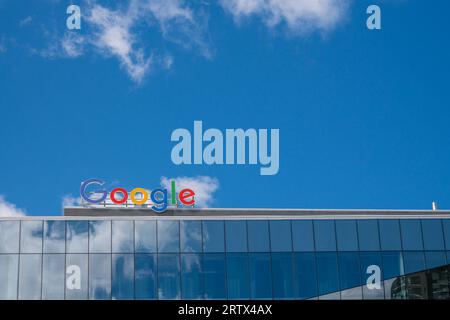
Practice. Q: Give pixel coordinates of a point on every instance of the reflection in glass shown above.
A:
(54, 236)
(191, 276)
(434, 259)
(168, 236)
(347, 237)
(258, 235)
(214, 276)
(280, 235)
(369, 239)
(31, 237)
(191, 236)
(414, 261)
(145, 276)
(303, 235)
(145, 237)
(30, 276)
(390, 234)
(76, 276)
(306, 275)
(446, 227)
(99, 275)
(260, 276)
(9, 266)
(325, 236)
(352, 294)
(349, 270)
(122, 236)
(433, 238)
(168, 276)
(123, 277)
(411, 234)
(393, 265)
(9, 236)
(282, 274)
(77, 237)
(236, 236)
(238, 280)
(53, 275)
(100, 236)
(213, 236)
(372, 275)
(327, 273)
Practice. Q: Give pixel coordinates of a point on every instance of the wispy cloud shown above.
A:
(9, 210)
(26, 21)
(203, 186)
(118, 32)
(298, 16)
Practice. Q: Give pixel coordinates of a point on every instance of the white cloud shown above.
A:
(9, 210)
(73, 44)
(70, 201)
(26, 21)
(203, 186)
(117, 32)
(299, 16)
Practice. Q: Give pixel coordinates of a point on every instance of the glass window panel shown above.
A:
(54, 236)
(76, 276)
(145, 276)
(327, 273)
(31, 237)
(433, 238)
(238, 279)
(303, 235)
(213, 236)
(280, 235)
(258, 235)
(349, 270)
(282, 273)
(331, 296)
(191, 236)
(390, 234)
(77, 236)
(414, 261)
(325, 237)
(100, 276)
(214, 276)
(306, 276)
(9, 236)
(395, 288)
(236, 236)
(435, 259)
(347, 237)
(260, 276)
(53, 276)
(122, 236)
(368, 235)
(123, 276)
(169, 276)
(372, 275)
(393, 265)
(446, 227)
(145, 238)
(168, 236)
(9, 267)
(191, 276)
(99, 236)
(411, 234)
(30, 276)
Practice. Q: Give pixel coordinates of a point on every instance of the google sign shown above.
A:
(138, 196)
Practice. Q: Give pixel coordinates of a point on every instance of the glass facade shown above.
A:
(224, 259)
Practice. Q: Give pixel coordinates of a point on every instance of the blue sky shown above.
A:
(363, 115)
